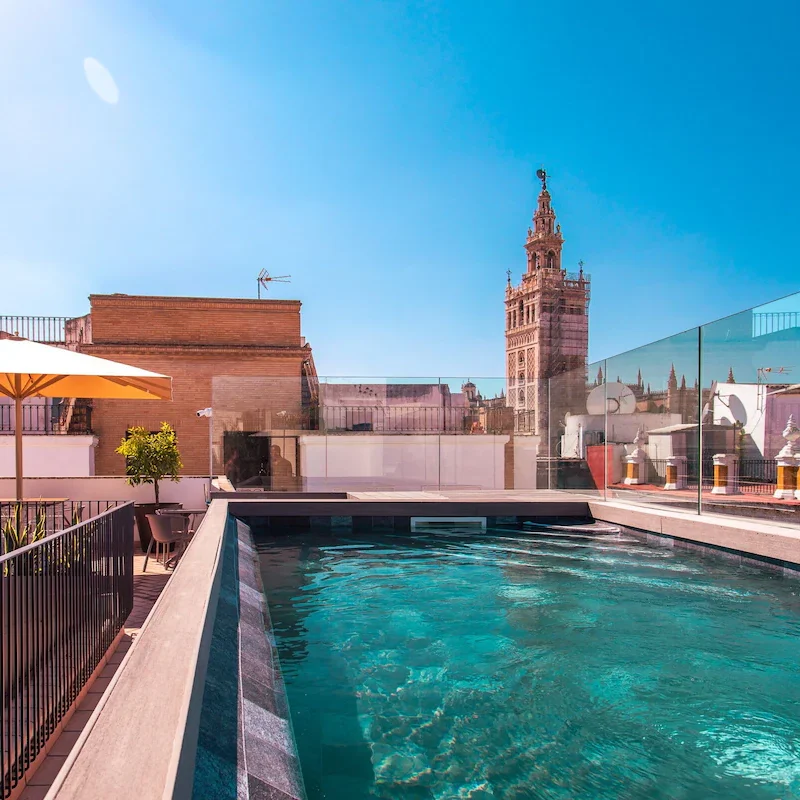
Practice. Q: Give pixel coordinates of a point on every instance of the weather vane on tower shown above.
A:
(541, 174)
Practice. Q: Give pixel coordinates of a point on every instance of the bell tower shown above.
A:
(547, 327)
(544, 241)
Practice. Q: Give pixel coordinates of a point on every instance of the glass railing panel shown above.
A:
(367, 434)
(651, 397)
(257, 425)
(477, 445)
(571, 447)
(751, 386)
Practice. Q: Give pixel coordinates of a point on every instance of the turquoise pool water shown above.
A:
(510, 665)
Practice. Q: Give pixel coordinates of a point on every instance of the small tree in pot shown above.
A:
(150, 458)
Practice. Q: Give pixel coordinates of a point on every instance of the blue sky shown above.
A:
(383, 154)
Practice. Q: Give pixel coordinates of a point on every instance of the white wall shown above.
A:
(622, 429)
(526, 449)
(189, 491)
(42, 455)
(762, 414)
(662, 445)
(745, 403)
(411, 462)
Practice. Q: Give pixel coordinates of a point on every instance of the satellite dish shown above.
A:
(707, 407)
(612, 398)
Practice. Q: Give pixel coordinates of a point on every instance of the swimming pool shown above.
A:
(507, 664)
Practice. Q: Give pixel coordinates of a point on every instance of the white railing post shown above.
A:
(726, 474)
(676, 473)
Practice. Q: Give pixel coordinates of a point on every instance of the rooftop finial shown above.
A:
(508, 275)
(542, 176)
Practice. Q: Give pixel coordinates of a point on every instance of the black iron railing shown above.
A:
(335, 419)
(397, 419)
(62, 602)
(756, 475)
(51, 330)
(51, 515)
(49, 417)
(656, 470)
(376, 419)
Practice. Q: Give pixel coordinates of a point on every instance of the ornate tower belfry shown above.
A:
(547, 326)
(544, 241)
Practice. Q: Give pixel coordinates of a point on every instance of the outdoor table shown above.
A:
(187, 514)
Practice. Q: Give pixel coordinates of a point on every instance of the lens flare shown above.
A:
(101, 81)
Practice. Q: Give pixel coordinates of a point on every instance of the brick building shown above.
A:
(235, 354)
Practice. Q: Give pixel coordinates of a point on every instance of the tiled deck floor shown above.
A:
(748, 497)
(147, 586)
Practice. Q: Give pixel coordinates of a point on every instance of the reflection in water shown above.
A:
(505, 665)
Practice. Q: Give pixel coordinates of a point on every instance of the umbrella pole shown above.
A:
(18, 437)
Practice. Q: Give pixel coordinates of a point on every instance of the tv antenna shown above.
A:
(265, 279)
(765, 374)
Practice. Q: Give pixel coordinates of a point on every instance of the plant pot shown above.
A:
(141, 510)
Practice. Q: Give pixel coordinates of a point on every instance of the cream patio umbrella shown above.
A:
(30, 369)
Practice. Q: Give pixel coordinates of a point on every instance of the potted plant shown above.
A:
(150, 458)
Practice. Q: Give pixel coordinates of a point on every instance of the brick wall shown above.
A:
(251, 350)
(119, 318)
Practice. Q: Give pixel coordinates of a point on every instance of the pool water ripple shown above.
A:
(500, 666)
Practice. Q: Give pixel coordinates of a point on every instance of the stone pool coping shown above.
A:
(778, 545)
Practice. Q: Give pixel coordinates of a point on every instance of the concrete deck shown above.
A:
(780, 543)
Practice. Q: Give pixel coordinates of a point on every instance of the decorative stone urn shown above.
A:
(635, 462)
(788, 461)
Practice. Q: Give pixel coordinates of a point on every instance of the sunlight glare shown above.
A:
(101, 81)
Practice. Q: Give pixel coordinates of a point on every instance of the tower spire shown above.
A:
(672, 381)
(544, 241)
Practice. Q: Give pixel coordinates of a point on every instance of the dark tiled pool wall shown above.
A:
(787, 568)
(275, 526)
(250, 754)
(270, 768)
(217, 759)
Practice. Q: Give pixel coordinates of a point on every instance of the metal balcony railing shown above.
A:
(51, 515)
(65, 331)
(49, 417)
(63, 600)
(50, 330)
(774, 321)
